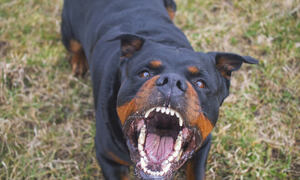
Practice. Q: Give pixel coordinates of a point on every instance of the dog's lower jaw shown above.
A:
(160, 142)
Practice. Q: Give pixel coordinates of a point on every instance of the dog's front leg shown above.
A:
(113, 168)
(195, 169)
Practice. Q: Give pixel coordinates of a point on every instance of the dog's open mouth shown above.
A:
(160, 141)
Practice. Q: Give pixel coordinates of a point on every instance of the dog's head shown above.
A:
(169, 100)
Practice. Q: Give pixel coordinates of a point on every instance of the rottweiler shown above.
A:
(156, 99)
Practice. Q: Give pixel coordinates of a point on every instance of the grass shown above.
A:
(47, 118)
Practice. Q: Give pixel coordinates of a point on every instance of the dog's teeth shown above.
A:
(178, 145)
(142, 153)
(140, 147)
(163, 110)
(179, 156)
(166, 162)
(143, 164)
(145, 159)
(172, 112)
(171, 158)
(166, 168)
(167, 111)
(175, 154)
(180, 121)
(142, 135)
(142, 138)
(158, 109)
(148, 112)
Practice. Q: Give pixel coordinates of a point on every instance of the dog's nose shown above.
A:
(171, 84)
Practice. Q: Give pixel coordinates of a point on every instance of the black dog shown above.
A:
(156, 99)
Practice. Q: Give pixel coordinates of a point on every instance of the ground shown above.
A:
(47, 118)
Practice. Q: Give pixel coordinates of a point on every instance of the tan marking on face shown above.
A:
(125, 110)
(155, 63)
(194, 114)
(138, 102)
(193, 69)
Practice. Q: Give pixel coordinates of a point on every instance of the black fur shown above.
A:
(98, 25)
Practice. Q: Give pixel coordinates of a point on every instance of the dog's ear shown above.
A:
(129, 44)
(226, 63)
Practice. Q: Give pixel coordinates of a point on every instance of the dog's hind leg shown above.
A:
(171, 8)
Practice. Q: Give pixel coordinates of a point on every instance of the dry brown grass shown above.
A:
(47, 118)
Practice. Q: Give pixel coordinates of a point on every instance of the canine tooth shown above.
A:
(147, 114)
(180, 121)
(167, 111)
(163, 110)
(157, 109)
(142, 136)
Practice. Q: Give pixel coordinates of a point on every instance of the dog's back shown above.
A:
(91, 21)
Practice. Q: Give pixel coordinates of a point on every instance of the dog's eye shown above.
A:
(144, 74)
(200, 84)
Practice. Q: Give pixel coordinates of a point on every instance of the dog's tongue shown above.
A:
(158, 147)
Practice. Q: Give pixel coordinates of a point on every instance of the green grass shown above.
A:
(47, 118)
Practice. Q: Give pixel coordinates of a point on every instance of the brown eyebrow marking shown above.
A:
(155, 63)
(193, 69)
